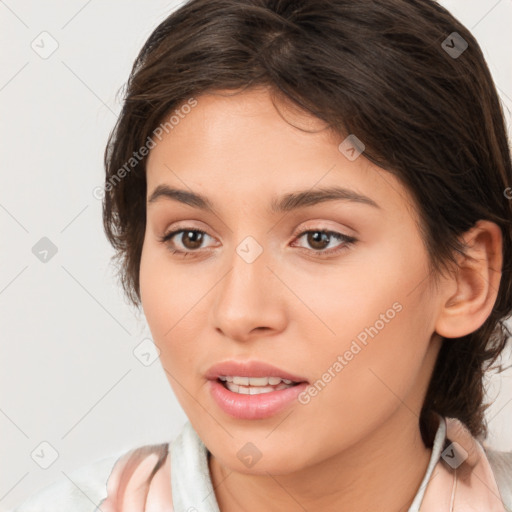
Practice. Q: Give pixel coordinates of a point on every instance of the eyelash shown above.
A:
(347, 241)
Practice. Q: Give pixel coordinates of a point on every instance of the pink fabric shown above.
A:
(470, 487)
(128, 489)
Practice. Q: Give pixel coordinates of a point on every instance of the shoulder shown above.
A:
(501, 464)
(141, 477)
(107, 482)
(80, 490)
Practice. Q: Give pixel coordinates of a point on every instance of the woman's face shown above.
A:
(349, 312)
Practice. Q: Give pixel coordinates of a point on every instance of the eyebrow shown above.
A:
(281, 204)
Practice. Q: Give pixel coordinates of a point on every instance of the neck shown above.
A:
(381, 472)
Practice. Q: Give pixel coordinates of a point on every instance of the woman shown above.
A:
(311, 203)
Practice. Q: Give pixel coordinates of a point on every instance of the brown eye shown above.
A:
(192, 239)
(319, 239)
(185, 240)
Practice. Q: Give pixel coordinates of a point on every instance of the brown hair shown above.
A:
(379, 69)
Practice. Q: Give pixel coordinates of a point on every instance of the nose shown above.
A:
(249, 300)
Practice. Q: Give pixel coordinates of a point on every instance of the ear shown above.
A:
(471, 292)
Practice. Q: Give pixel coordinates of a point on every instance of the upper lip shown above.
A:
(249, 369)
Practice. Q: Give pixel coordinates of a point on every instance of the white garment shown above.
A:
(84, 490)
(191, 483)
(192, 489)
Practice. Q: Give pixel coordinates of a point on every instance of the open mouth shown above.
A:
(255, 385)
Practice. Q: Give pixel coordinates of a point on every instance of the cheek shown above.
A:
(167, 292)
(374, 319)
(174, 306)
(160, 299)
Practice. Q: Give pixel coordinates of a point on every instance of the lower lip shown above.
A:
(254, 407)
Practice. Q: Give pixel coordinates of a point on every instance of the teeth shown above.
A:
(254, 385)
(241, 380)
(254, 381)
(244, 390)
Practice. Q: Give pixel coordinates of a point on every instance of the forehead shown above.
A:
(241, 144)
(242, 120)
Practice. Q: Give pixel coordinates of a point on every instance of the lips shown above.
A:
(254, 407)
(250, 369)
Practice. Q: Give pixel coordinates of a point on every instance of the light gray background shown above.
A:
(68, 372)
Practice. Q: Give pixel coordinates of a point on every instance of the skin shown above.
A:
(299, 311)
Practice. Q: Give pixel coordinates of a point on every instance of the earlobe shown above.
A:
(472, 290)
